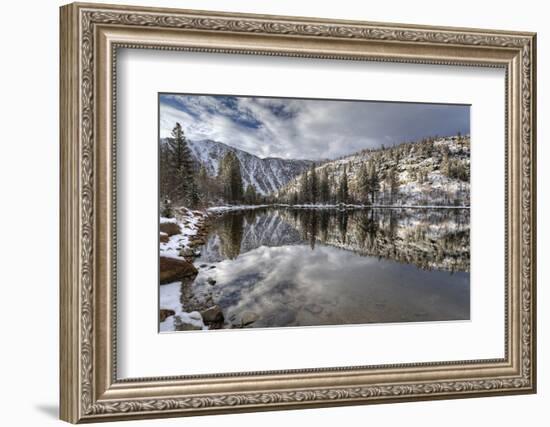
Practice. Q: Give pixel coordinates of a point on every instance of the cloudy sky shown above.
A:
(307, 129)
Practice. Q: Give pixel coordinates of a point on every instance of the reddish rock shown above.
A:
(164, 238)
(172, 269)
(170, 228)
(164, 313)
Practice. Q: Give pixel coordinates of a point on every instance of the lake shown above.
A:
(283, 266)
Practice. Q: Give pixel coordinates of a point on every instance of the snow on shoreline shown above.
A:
(170, 300)
(189, 223)
(230, 208)
(233, 208)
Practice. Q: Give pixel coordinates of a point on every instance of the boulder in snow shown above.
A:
(172, 269)
(164, 313)
(170, 228)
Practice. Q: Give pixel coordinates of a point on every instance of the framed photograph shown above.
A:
(266, 212)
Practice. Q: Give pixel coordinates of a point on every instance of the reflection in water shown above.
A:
(231, 234)
(431, 239)
(299, 267)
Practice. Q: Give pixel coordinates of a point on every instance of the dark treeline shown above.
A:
(324, 186)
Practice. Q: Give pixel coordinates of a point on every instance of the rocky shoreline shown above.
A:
(180, 240)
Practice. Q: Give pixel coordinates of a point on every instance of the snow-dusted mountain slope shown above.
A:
(434, 171)
(266, 175)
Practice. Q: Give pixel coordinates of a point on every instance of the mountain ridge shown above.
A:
(267, 175)
(434, 171)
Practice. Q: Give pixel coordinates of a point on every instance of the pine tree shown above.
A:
(333, 186)
(236, 180)
(250, 195)
(313, 184)
(223, 176)
(164, 172)
(203, 183)
(203, 175)
(363, 183)
(194, 197)
(374, 181)
(230, 176)
(426, 146)
(181, 178)
(392, 183)
(304, 188)
(396, 154)
(324, 187)
(343, 193)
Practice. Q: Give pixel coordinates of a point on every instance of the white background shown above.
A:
(29, 171)
(297, 348)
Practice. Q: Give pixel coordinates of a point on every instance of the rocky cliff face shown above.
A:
(266, 175)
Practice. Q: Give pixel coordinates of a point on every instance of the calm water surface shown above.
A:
(298, 267)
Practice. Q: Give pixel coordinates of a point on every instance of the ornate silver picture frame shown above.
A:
(91, 35)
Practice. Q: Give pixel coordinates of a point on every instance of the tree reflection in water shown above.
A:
(231, 235)
(432, 239)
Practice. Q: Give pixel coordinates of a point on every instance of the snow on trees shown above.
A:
(433, 171)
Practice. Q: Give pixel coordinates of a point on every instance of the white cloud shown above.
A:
(312, 129)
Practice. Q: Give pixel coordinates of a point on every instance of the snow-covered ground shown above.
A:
(170, 299)
(189, 223)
